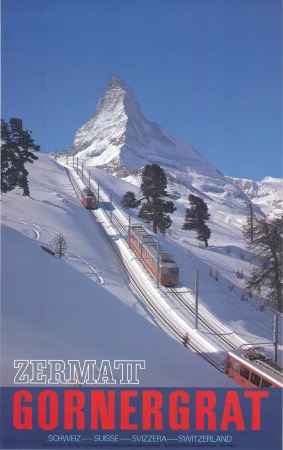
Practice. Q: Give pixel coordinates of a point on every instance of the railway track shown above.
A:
(174, 310)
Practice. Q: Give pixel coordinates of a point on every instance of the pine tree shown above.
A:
(15, 153)
(203, 234)
(153, 187)
(129, 200)
(154, 182)
(195, 219)
(248, 228)
(8, 161)
(267, 246)
(155, 211)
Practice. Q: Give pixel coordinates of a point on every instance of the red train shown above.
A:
(146, 248)
(88, 199)
(251, 369)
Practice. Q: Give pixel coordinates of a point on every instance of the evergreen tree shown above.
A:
(248, 228)
(153, 187)
(203, 234)
(8, 161)
(129, 200)
(15, 153)
(267, 245)
(154, 182)
(195, 219)
(155, 211)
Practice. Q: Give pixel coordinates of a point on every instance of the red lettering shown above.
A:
(151, 404)
(203, 410)
(126, 410)
(100, 410)
(44, 398)
(22, 415)
(73, 404)
(256, 397)
(179, 416)
(232, 403)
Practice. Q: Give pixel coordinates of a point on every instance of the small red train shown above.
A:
(146, 248)
(251, 369)
(88, 199)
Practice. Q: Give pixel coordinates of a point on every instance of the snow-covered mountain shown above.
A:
(266, 194)
(118, 138)
(73, 308)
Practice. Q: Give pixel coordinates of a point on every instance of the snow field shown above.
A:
(60, 311)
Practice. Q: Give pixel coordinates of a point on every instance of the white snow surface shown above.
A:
(82, 306)
(79, 307)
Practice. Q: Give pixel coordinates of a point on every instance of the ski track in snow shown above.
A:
(36, 232)
(75, 258)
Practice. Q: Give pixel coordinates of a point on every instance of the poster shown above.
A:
(101, 345)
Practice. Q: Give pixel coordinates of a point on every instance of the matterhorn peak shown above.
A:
(119, 139)
(118, 96)
(116, 82)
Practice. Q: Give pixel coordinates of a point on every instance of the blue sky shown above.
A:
(207, 71)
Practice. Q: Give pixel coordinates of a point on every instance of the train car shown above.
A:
(251, 369)
(146, 248)
(88, 199)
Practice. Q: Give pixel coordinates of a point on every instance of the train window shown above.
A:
(255, 379)
(245, 372)
(165, 271)
(174, 271)
(265, 383)
(236, 366)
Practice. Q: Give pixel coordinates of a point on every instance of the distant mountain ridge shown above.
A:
(266, 194)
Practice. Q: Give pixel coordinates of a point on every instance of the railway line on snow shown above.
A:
(173, 309)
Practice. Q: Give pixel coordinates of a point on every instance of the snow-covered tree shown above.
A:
(195, 219)
(16, 150)
(267, 246)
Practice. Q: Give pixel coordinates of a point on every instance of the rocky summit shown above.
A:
(119, 139)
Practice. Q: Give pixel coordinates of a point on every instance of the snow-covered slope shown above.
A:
(75, 308)
(266, 194)
(80, 307)
(51, 311)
